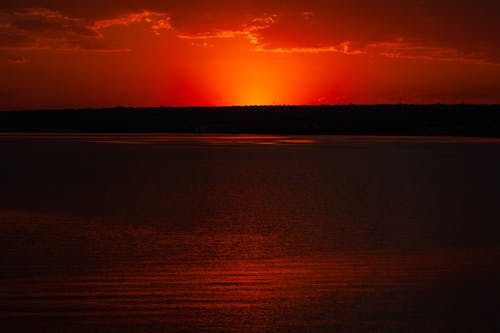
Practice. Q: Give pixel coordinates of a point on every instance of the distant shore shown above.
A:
(414, 120)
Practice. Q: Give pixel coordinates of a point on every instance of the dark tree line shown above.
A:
(463, 120)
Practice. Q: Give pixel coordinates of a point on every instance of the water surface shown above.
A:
(157, 233)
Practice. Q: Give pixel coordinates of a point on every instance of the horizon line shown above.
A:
(268, 106)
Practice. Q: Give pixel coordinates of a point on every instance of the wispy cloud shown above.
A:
(253, 32)
(156, 21)
(44, 21)
(419, 50)
(256, 31)
(40, 28)
(250, 30)
(345, 47)
(18, 60)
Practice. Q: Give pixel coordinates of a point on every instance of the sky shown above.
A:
(76, 54)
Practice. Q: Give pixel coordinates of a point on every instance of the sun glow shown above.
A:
(258, 79)
(256, 92)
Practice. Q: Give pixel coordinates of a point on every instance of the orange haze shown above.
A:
(60, 54)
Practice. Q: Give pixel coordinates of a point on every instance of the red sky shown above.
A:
(71, 54)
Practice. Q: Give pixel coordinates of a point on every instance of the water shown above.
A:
(160, 233)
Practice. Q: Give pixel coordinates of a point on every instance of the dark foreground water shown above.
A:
(147, 233)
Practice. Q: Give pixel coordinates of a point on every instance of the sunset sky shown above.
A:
(72, 54)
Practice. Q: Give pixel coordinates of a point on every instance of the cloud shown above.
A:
(157, 21)
(18, 60)
(345, 47)
(255, 32)
(44, 21)
(415, 50)
(10, 38)
(41, 28)
(301, 32)
(387, 28)
(250, 30)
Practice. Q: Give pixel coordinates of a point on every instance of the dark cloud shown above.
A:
(46, 21)
(445, 29)
(14, 39)
(18, 60)
(441, 30)
(42, 28)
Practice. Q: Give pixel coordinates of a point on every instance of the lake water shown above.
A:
(160, 233)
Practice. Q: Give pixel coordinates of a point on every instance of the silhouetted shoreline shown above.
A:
(415, 120)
